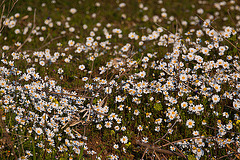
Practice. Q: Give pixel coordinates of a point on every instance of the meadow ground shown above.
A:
(119, 79)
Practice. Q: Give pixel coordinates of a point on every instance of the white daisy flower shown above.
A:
(190, 123)
(124, 139)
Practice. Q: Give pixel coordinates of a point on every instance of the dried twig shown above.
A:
(34, 26)
(174, 147)
(2, 3)
(220, 34)
(232, 108)
(49, 42)
(228, 155)
(144, 153)
(185, 140)
(11, 8)
(164, 156)
(152, 147)
(156, 155)
(233, 150)
(167, 132)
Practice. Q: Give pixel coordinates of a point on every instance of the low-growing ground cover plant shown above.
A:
(119, 80)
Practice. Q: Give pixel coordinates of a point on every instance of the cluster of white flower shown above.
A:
(143, 82)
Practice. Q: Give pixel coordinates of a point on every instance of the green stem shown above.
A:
(81, 153)
(101, 151)
(34, 152)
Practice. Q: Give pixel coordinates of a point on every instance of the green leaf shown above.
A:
(191, 157)
(81, 153)
(158, 106)
(235, 50)
(101, 152)
(233, 38)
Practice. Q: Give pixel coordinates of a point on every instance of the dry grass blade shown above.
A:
(82, 110)
(65, 125)
(156, 155)
(75, 117)
(238, 157)
(100, 113)
(102, 102)
(227, 155)
(2, 3)
(86, 114)
(175, 147)
(232, 108)
(74, 123)
(144, 153)
(9, 11)
(220, 34)
(25, 17)
(170, 128)
(75, 131)
(49, 42)
(2, 17)
(34, 26)
(89, 113)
